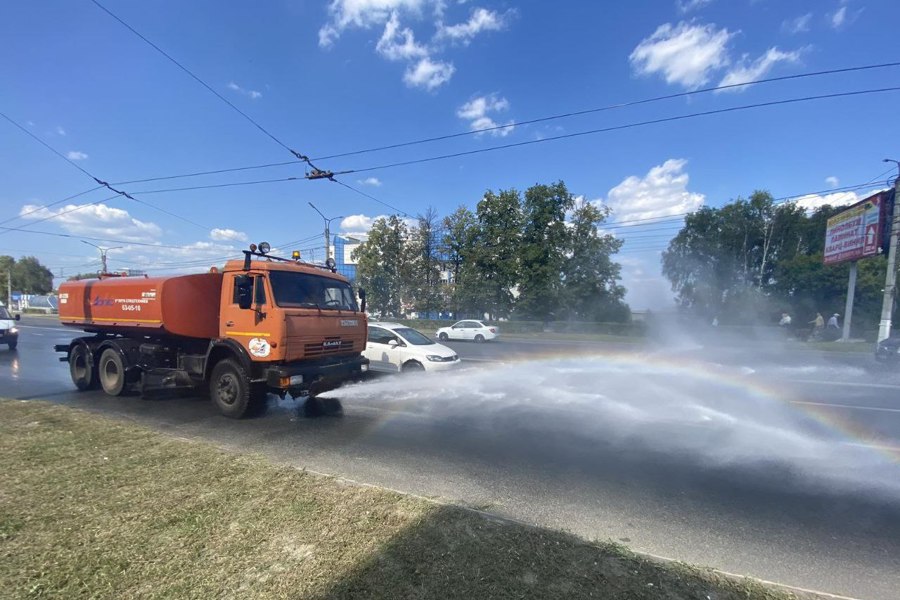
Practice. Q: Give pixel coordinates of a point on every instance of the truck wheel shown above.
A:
(12, 345)
(83, 373)
(111, 372)
(229, 388)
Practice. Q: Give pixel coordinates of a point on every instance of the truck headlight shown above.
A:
(296, 379)
(14, 331)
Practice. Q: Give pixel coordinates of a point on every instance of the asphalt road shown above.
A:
(760, 461)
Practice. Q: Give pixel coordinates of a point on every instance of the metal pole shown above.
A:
(9, 287)
(848, 307)
(887, 304)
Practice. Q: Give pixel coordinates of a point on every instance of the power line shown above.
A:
(622, 127)
(519, 123)
(40, 208)
(607, 108)
(209, 88)
(371, 197)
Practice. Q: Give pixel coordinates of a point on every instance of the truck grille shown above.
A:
(328, 346)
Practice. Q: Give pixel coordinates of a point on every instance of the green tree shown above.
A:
(424, 264)
(29, 276)
(460, 233)
(382, 266)
(494, 252)
(543, 250)
(591, 289)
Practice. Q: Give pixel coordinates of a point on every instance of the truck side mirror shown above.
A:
(18, 317)
(362, 300)
(244, 285)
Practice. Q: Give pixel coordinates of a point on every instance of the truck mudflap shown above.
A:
(314, 377)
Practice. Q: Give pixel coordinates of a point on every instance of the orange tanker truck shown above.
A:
(262, 324)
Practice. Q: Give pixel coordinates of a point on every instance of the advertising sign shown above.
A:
(856, 232)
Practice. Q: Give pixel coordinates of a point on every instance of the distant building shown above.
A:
(342, 251)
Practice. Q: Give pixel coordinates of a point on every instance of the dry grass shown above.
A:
(93, 508)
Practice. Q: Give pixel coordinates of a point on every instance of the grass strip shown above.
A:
(91, 507)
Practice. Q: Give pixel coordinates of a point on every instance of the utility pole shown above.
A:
(327, 229)
(103, 252)
(887, 304)
(9, 288)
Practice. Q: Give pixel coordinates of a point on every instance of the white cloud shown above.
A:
(689, 5)
(428, 73)
(361, 13)
(661, 193)
(797, 25)
(399, 44)
(811, 202)
(227, 234)
(252, 94)
(685, 54)
(748, 72)
(476, 111)
(839, 17)
(96, 220)
(373, 181)
(481, 20)
(60, 130)
(76, 155)
(358, 222)
(832, 181)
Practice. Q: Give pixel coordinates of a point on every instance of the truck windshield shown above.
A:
(4, 314)
(311, 291)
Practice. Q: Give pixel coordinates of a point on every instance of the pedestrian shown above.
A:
(785, 320)
(818, 326)
(833, 321)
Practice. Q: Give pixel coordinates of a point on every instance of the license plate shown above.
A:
(349, 322)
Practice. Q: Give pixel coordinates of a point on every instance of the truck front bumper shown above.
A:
(315, 376)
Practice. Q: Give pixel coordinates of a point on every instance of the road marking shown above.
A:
(875, 446)
(883, 386)
(875, 408)
(39, 327)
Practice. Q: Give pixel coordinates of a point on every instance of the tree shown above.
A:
(382, 266)
(591, 291)
(424, 269)
(494, 252)
(29, 276)
(543, 248)
(460, 231)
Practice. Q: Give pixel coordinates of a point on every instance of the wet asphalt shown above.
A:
(544, 467)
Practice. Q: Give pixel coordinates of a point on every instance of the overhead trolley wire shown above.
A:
(519, 123)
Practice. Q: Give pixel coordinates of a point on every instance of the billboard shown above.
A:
(857, 232)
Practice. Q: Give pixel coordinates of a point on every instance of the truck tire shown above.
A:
(12, 345)
(111, 372)
(81, 369)
(229, 388)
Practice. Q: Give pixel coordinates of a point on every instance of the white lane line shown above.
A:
(875, 408)
(60, 329)
(875, 446)
(862, 384)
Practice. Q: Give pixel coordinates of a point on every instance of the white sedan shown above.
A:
(468, 330)
(394, 348)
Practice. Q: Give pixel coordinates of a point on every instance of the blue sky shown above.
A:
(333, 77)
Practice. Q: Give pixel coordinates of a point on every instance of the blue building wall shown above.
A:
(345, 269)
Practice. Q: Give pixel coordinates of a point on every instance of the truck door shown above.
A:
(249, 327)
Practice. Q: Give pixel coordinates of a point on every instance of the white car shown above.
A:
(9, 333)
(468, 330)
(395, 348)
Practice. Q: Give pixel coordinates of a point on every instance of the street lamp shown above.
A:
(327, 229)
(103, 252)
